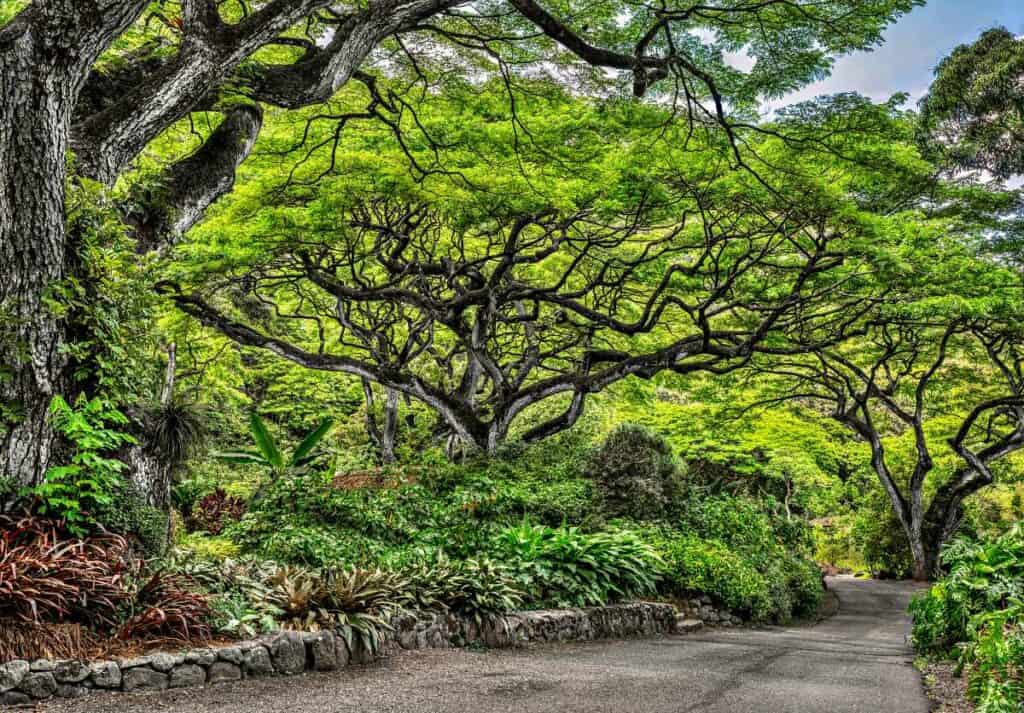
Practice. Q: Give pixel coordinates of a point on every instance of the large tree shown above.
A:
(92, 77)
(931, 384)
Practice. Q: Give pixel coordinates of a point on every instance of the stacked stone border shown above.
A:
(292, 652)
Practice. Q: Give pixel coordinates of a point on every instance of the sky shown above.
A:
(913, 47)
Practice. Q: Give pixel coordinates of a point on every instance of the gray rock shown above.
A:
(321, 651)
(11, 674)
(14, 698)
(40, 684)
(288, 652)
(71, 671)
(142, 678)
(222, 671)
(71, 690)
(135, 662)
(105, 674)
(165, 662)
(257, 662)
(187, 675)
(231, 654)
(203, 657)
(42, 665)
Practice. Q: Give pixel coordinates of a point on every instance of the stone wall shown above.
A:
(291, 652)
(702, 608)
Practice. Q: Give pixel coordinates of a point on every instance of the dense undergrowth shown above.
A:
(975, 615)
(560, 524)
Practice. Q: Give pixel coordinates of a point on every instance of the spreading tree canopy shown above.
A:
(87, 85)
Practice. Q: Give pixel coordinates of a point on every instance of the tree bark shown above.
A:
(45, 55)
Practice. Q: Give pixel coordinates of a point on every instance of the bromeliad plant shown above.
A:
(270, 456)
(478, 587)
(50, 575)
(358, 602)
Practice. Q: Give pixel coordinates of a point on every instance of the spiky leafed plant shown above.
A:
(167, 608)
(175, 430)
(270, 456)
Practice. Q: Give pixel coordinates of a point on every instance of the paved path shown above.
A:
(856, 662)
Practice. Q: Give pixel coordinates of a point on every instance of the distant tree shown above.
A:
(973, 115)
(899, 379)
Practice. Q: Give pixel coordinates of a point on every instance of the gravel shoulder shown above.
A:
(858, 661)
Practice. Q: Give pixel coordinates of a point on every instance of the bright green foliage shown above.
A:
(755, 564)
(972, 114)
(636, 474)
(565, 567)
(455, 507)
(977, 609)
(478, 587)
(270, 456)
(694, 565)
(75, 492)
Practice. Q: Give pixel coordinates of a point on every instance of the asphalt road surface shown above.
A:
(856, 662)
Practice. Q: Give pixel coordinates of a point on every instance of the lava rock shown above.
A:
(42, 665)
(40, 684)
(14, 698)
(187, 675)
(288, 653)
(11, 674)
(71, 671)
(164, 663)
(142, 678)
(223, 671)
(71, 690)
(257, 662)
(105, 674)
(231, 654)
(203, 657)
(321, 650)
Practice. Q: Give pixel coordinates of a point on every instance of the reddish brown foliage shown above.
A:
(169, 610)
(214, 511)
(48, 575)
(29, 640)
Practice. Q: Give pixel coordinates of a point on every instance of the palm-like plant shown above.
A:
(270, 456)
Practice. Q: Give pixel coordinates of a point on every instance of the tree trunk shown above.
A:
(925, 551)
(383, 439)
(45, 55)
(37, 96)
(150, 473)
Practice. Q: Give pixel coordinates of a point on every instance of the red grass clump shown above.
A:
(214, 511)
(46, 574)
(169, 610)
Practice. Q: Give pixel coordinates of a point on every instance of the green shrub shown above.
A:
(128, 514)
(774, 547)
(207, 547)
(693, 565)
(636, 474)
(565, 567)
(977, 612)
